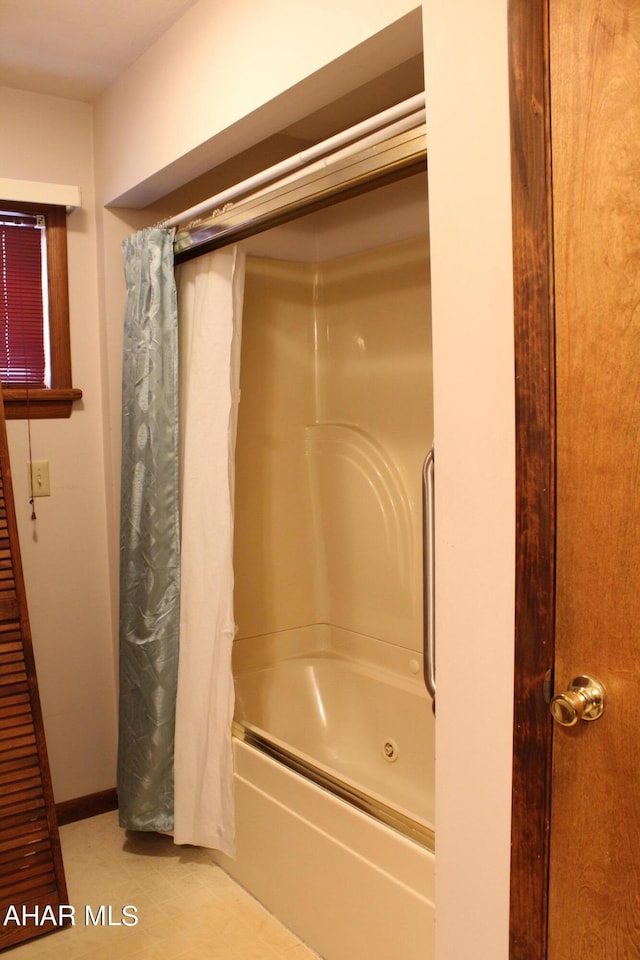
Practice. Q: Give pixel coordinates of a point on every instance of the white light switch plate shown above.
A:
(40, 484)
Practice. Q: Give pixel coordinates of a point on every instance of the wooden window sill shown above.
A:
(52, 404)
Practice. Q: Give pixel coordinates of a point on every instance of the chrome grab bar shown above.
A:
(428, 575)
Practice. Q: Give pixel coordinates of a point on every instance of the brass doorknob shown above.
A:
(584, 700)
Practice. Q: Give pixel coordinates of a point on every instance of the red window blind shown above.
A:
(22, 310)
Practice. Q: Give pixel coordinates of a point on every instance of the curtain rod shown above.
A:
(255, 202)
(382, 157)
(299, 160)
(408, 122)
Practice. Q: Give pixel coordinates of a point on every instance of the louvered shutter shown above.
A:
(31, 870)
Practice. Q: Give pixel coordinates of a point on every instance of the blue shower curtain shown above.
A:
(149, 535)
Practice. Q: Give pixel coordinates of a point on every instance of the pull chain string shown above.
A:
(32, 499)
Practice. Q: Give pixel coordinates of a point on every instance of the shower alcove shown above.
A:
(334, 745)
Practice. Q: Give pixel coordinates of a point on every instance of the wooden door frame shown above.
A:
(535, 471)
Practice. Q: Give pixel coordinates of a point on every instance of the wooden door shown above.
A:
(575, 70)
(32, 884)
(594, 890)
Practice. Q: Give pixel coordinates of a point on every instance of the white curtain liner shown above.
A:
(299, 160)
(210, 295)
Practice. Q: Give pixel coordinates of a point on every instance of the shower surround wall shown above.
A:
(335, 422)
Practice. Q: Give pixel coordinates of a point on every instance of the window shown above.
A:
(35, 351)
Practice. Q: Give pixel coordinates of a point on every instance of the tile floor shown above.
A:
(187, 907)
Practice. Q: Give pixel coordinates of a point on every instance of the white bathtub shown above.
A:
(353, 878)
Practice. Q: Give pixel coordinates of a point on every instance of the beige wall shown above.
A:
(162, 123)
(471, 270)
(65, 551)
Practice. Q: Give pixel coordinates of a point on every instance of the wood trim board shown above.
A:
(91, 805)
(535, 471)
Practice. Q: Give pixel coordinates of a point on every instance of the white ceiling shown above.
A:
(76, 48)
